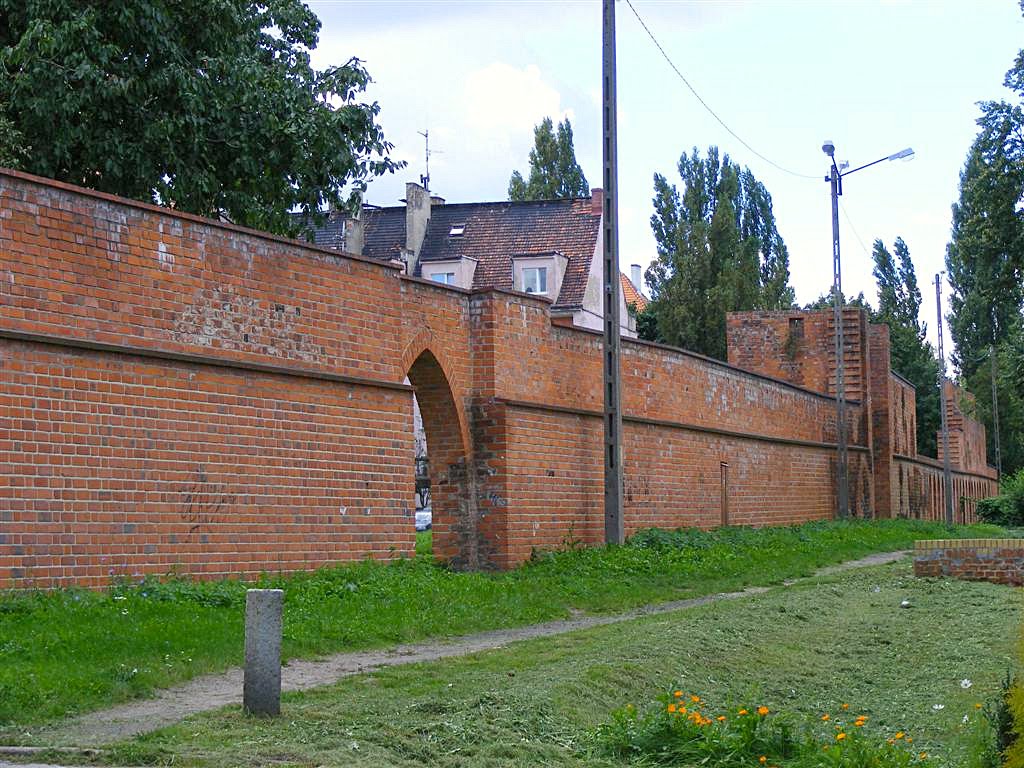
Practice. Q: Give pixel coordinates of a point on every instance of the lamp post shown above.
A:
(835, 179)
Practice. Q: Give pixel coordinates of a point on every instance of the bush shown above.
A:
(681, 730)
(1006, 509)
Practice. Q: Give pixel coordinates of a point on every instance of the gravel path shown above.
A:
(210, 692)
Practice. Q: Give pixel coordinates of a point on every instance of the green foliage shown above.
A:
(899, 306)
(1006, 509)
(718, 251)
(825, 301)
(999, 715)
(682, 730)
(985, 262)
(67, 650)
(207, 106)
(554, 172)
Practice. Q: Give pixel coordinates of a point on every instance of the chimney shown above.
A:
(596, 201)
(436, 200)
(636, 277)
(353, 234)
(417, 216)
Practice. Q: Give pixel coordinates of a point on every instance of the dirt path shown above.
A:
(213, 691)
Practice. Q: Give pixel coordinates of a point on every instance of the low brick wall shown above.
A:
(997, 560)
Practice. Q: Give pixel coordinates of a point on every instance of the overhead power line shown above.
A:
(705, 104)
(854, 230)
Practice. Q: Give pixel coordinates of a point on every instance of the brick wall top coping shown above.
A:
(525, 404)
(206, 222)
(538, 299)
(928, 461)
(931, 545)
(904, 379)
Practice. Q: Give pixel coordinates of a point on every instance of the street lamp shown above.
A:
(835, 178)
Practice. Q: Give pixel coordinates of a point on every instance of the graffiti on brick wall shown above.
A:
(204, 502)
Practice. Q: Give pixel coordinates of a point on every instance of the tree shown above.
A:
(554, 172)
(899, 307)
(985, 262)
(207, 106)
(718, 251)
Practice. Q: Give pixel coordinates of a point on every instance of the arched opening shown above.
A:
(448, 486)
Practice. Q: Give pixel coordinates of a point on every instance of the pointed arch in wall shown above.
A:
(452, 487)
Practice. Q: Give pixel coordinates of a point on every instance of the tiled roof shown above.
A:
(632, 294)
(493, 233)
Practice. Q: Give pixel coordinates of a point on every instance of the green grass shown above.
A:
(70, 651)
(802, 651)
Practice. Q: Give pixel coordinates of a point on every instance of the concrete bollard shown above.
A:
(262, 687)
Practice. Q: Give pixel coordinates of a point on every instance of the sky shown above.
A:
(874, 76)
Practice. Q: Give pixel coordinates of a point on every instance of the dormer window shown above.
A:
(457, 230)
(535, 280)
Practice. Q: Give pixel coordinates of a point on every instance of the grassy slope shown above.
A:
(73, 651)
(803, 650)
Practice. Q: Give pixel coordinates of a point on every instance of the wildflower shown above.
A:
(671, 707)
(938, 707)
(846, 707)
(762, 711)
(825, 718)
(977, 705)
(965, 684)
(678, 694)
(762, 759)
(743, 712)
(840, 736)
(858, 724)
(695, 699)
(890, 741)
(922, 756)
(721, 718)
(899, 735)
(909, 740)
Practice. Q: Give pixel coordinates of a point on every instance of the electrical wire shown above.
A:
(854, 229)
(705, 104)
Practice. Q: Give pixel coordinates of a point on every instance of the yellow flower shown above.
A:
(922, 756)
(825, 717)
(678, 694)
(846, 707)
(909, 740)
(762, 759)
(899, 735)
(858, 724)
(762, 711)
(978, 705)
(743, 712)
(840, 736)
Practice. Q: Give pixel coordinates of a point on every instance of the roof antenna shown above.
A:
(425, 178)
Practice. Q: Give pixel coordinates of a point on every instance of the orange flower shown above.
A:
(678, 694)
(721, 718)
(743, 712)
(977, 706)
(762, 711)
(909, 740)
(840, 736)
(695, 699)
(899, 735)
(826, 717)
(762, 759)
(671, 707)
(858, 724)
(846, 707)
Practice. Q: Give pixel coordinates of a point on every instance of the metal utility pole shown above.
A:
(614, 530)
(842, 481)
(995, 412)
(835, 179)
(947, 474)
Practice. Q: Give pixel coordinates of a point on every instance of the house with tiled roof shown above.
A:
(551, 248)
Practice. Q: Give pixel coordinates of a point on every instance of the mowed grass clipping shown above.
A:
(70, 651)
(801, 651)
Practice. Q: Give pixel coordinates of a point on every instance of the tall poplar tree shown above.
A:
(899, 307)
(718, 251)
(554, 172)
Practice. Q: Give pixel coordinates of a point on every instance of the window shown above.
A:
(448, 278)
(457, 230)
(535, 279)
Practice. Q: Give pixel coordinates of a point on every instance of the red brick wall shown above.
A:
(997, 560)
(180, 394)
